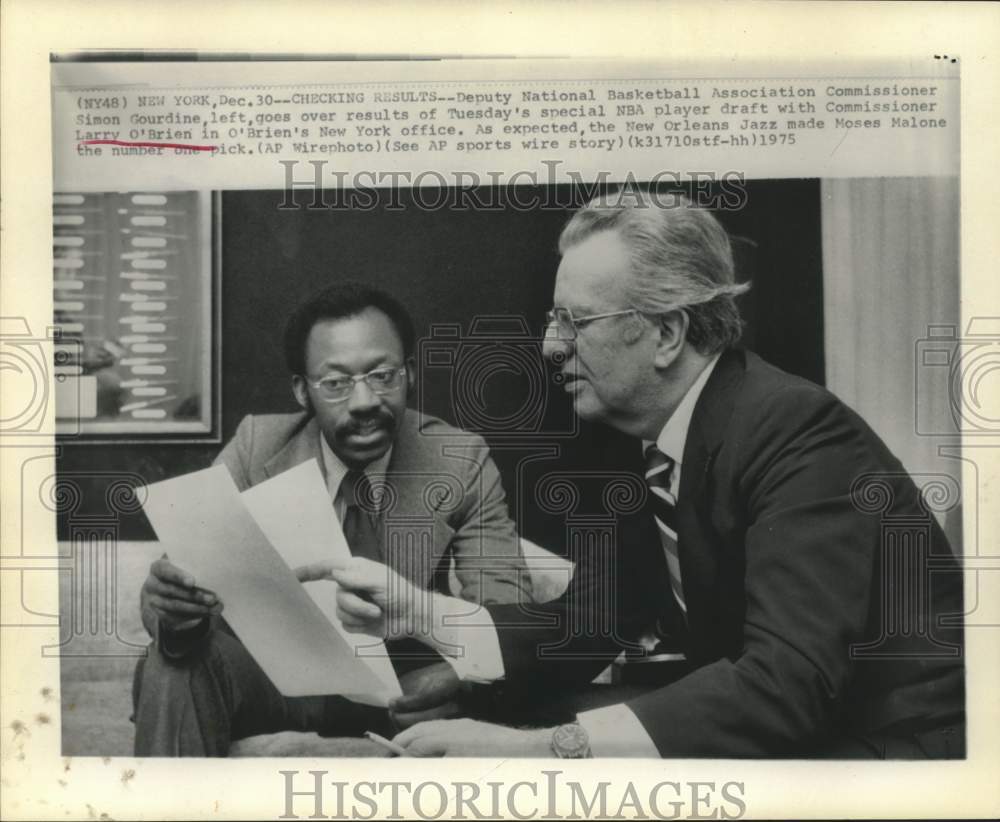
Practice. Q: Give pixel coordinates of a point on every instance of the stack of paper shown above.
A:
(244, 547)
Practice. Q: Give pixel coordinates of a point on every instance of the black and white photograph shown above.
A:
(527, 486)
(504, 412)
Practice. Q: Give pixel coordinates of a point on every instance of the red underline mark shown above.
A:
(145, 145)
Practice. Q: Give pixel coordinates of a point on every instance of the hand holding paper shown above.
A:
(292, 632)
(174, 599)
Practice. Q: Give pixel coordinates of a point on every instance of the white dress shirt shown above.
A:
(614, 730)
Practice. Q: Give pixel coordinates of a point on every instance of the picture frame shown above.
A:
(136, 325)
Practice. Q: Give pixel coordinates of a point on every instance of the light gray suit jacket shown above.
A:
(441, 499)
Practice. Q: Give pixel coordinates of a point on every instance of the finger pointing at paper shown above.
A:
(357, 611)
(357, 615)
(316, 571)
(375, 599)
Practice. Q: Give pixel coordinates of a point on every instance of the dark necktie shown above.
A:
(358, 521)
(659, 467)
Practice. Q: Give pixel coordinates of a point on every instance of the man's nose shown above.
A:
(363, 398)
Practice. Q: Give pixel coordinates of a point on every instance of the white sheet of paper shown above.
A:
(296, 514)
(205, 529)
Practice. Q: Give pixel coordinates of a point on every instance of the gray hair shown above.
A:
(681, 259)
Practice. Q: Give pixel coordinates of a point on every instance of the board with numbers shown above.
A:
(134, 290)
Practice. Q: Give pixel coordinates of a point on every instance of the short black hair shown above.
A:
(337, 302)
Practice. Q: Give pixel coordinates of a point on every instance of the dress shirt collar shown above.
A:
(674, 434)
(336, 470)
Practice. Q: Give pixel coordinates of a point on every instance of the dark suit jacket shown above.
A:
(443, 499)
(796, 530)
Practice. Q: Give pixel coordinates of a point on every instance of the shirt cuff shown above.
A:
(616, 731)
(468, 640)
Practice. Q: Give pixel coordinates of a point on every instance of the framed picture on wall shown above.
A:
(136, 282)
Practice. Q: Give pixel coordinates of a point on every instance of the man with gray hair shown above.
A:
(759, 553)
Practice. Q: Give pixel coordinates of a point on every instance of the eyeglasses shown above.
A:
(567, 326)
(380, 381)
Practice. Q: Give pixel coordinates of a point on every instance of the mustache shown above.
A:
(383, 418)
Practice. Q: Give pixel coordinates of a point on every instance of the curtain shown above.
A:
(891, 292)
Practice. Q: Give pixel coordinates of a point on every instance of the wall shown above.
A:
(892, 288)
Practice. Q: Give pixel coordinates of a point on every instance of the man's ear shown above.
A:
(672, 327)
(299, 390)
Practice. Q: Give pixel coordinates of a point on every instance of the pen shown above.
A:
(387, 744)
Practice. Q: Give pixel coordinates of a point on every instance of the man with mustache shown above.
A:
(768, 551)
(350, 351)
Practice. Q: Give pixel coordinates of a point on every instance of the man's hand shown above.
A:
(374, 599)
(316, 571)
(428, 693)
(171, 595)
(468, 737)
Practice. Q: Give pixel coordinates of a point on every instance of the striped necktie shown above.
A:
(659, 467)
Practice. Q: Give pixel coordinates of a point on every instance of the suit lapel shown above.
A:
(301, 447)
(695, 534)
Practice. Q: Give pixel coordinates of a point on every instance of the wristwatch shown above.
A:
(571, 742)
